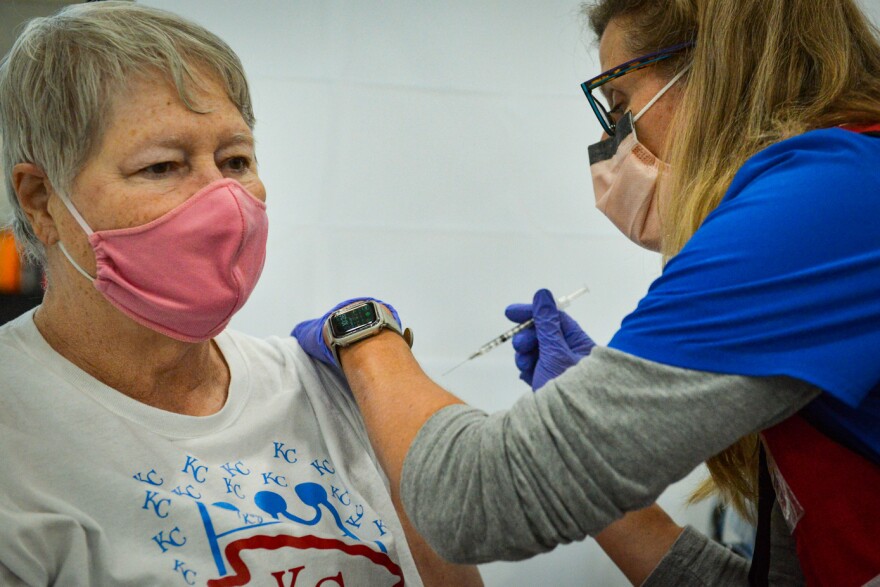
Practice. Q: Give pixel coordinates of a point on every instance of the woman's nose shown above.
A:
(207, 173)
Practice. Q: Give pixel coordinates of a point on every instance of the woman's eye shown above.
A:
(238, 164)
(159, 169)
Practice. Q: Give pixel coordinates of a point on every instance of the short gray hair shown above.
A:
(59, 79)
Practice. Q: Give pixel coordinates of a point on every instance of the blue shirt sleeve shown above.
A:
(783, 277)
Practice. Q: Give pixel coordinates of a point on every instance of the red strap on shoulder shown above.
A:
(861, 128)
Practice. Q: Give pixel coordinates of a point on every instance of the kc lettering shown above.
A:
(150, 478)
(342, 495)
(323, 467)
(157, 505)
(355, 520)
(189, 576)
(189, 492)
(236, 469)
(197, 471)
(279, 480)
(174, 539)
(233, 488)
(380, 525)
(288, 454)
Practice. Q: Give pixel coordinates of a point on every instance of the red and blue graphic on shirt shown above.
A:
(266, 530)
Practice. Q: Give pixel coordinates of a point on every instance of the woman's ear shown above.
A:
(33, 190)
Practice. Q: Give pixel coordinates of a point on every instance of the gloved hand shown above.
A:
(311, 336)
(555, 342)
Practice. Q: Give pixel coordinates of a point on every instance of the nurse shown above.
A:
(743, 142)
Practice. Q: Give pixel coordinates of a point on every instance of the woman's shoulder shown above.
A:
(815, 159)
(824, 173)
(828, 142)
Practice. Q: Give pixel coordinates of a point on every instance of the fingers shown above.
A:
(525, 341)
(526, 363)
(311, 339)
(303, 329)
(297, 330)
(518, 312)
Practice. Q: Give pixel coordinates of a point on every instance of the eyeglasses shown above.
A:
(599, 109)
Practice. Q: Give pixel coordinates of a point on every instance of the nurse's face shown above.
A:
(633, 90)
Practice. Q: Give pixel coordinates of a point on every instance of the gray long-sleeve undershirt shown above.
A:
(606, 437)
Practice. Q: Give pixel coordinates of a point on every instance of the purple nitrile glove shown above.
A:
(555, 342)
(311, 336)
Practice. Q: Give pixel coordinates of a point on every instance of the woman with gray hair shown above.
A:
(143, 443)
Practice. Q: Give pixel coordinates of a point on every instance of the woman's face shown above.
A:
(154, 155)
(634, 90)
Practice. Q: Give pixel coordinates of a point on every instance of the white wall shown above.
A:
(872, 8)
(434, 154)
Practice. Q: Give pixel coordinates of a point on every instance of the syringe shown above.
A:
(561, 303)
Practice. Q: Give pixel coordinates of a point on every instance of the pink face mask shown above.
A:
(625, 179)
(187, 272)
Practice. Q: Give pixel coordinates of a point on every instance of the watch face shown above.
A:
(352, 320)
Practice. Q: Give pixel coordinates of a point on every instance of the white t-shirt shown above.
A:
(279, 488)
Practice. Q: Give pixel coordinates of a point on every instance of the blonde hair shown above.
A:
(761, 72)
(58, 82)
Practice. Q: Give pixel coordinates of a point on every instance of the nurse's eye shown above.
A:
(617, 111)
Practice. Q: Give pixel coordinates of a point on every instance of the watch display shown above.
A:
(350, 321)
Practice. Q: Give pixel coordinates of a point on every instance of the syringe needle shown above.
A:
(454, 368)
(473, 356)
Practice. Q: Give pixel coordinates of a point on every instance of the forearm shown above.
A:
(604, 439)
(433, 569)
(638, 541)
(394, 395)
(694, 559)
(390, 386)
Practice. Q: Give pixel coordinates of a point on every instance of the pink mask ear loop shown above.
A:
(83, 224)
(661, 92)
(75, 213)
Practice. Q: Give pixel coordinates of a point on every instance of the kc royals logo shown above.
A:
(267, 530)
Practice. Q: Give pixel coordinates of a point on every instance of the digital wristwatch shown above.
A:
(358, 321)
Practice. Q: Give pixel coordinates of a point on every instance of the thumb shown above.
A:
(547, 324)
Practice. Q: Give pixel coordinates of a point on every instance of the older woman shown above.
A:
(142, 443)
(765, 320)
